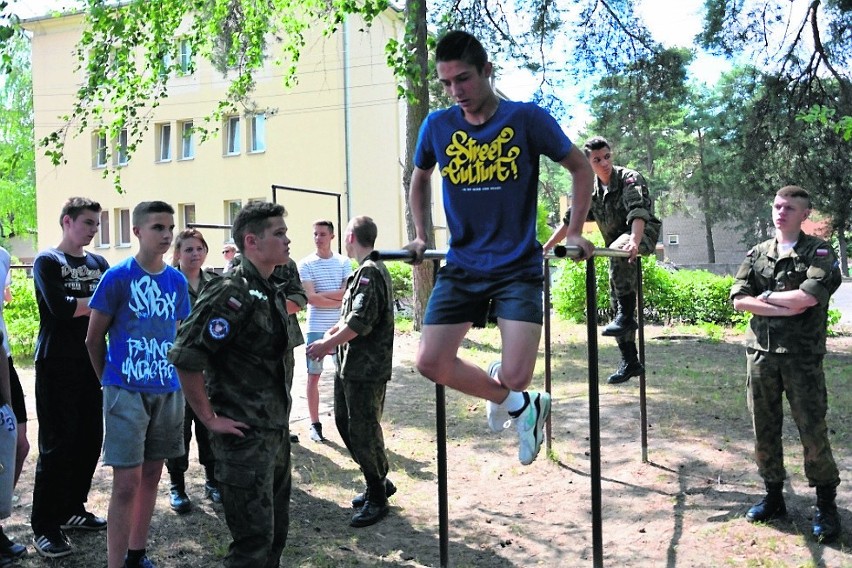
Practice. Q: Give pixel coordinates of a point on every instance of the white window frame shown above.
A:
(164, 142)
(99, 150)
(187, 214)
(672, 239)
(257, 133)
(185, 54)
(232, 136)
(104, 239)
(187, 140)
(232, 208)
(121, 156)
(123, 227)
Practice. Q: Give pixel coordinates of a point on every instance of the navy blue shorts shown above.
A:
(459, 297)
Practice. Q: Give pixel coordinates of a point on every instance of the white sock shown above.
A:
(514, 402)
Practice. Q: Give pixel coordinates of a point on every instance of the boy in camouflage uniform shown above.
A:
(786, 283)
(364, 341)
(622, 208)
(238, 334)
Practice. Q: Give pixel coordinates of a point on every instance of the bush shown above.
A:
(21, 316)
(401, 277)
(684, 296)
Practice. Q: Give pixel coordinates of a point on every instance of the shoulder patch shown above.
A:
(821, 252)
(234, 304)
(364, 281)
(218, 328)
(630, 179)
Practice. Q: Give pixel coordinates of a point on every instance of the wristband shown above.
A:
(764, 297)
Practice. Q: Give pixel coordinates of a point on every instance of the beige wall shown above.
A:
(305, 142)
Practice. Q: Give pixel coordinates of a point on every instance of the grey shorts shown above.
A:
(140, 427)
(315, 366)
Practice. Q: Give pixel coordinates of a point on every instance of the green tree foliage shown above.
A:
(802, 43)
(17, 155)
(128, 50)
(21, 316)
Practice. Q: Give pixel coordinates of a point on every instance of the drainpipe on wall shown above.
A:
(347, 127)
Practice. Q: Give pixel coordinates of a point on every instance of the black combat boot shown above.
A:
(771, 507)
(178, 499)
(624, 321)
(630, 365)
(826, 518)
(359, 500)
(375, 507)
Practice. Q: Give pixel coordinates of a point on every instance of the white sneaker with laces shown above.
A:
(497, 414)
(315, 432)
(530, 426)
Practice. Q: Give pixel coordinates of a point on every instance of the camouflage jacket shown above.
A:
(367, 309)
(287, 277)
(237, 334)
(614, 208)
(812, 267)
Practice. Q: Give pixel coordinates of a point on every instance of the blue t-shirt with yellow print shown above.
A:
(490, 183)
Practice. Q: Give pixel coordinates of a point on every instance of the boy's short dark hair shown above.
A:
(324, 223)
(76, 205)
(595, 143)
(254, 218)
(365, 230)
(461, 46)
(145, 208)
(795, 191)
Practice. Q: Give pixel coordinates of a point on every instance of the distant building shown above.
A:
(339, 131)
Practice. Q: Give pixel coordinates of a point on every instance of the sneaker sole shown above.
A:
(542, 406)
(47, 554)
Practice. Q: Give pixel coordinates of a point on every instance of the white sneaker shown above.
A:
(497, 414)
(316, 432)
(530, 425)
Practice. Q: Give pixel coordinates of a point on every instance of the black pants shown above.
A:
(178, 466)
(69, 406)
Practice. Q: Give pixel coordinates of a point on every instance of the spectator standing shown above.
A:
(69, 403)
(323, 273)
(190, 254)
(786, 283)
(364, 341)
(236, 338)
(10, 550)
(139, 303)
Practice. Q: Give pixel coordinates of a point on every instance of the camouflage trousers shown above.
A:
(358, 408)
(801, 377)
(622, 273)
(254, 478)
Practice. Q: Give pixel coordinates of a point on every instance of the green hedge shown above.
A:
(21, 316)
(682, 296)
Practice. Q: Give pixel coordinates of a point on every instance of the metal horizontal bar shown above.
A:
(208, 226)
(559, 251)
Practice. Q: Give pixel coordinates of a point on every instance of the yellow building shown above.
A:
(339, 131)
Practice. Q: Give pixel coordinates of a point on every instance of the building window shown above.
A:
(257, 133)
(165, 64)
(232, 207)
(103, 230)
(187, 214)
(232, 138)
(673, 239)
(187, 140)
(121, 148)
(185, 49)
(164, 142)
(122, 217)
(99, 150)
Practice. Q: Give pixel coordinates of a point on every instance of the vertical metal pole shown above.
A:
(441, 430)
(547, 352)
(594, 411)
(643, 409)
(443, 506)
